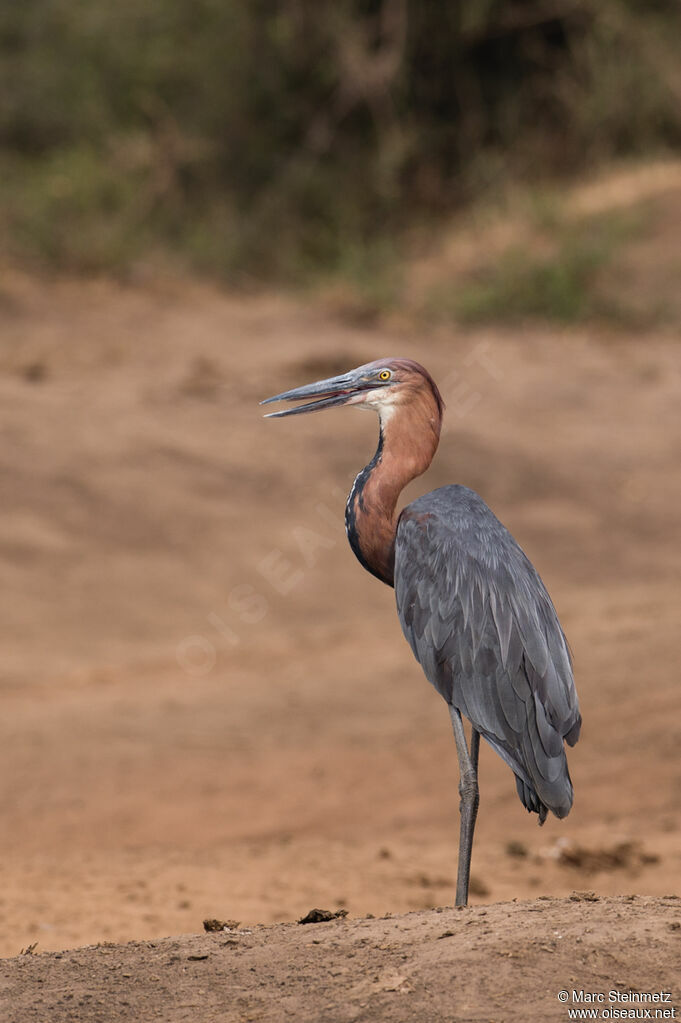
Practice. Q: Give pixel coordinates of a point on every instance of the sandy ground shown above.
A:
(510, 963)
(208, 707)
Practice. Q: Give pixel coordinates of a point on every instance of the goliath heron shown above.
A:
(472, 607)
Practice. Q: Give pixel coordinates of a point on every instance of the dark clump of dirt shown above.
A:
(34, 372)
(621, 856)
(478, 887)
(320, 916)
(220, 925)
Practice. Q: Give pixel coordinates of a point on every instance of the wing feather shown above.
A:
(479, 620)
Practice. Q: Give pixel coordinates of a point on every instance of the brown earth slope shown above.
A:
(508, 963)
(208, 708)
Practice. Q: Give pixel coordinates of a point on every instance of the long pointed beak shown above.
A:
(331, 392)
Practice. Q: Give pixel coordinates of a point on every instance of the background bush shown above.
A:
(262, 138)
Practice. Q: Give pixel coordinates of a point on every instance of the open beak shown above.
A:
(328, 394)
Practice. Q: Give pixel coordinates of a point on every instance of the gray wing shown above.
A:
(482, 625)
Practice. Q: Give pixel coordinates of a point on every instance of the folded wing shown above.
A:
(481, 623)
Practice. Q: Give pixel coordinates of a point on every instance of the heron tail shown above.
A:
(530, 799)
(534, 804)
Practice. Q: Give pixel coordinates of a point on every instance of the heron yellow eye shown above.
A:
(385, 374)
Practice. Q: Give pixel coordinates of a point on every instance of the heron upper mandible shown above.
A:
(471, 605)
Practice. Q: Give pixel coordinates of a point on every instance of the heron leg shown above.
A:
(468, 806)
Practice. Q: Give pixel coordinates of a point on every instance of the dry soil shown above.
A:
(209, 709)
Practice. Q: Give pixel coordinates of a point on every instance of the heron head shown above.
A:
(382, 385)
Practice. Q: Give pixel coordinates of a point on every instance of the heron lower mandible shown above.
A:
(471, 605)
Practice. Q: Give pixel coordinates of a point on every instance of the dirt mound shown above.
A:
(498, 964)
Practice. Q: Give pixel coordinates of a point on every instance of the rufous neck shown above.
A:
(409, 436)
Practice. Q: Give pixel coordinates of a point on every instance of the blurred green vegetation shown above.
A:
(553, 275)
(555, 287)
(259, 139)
